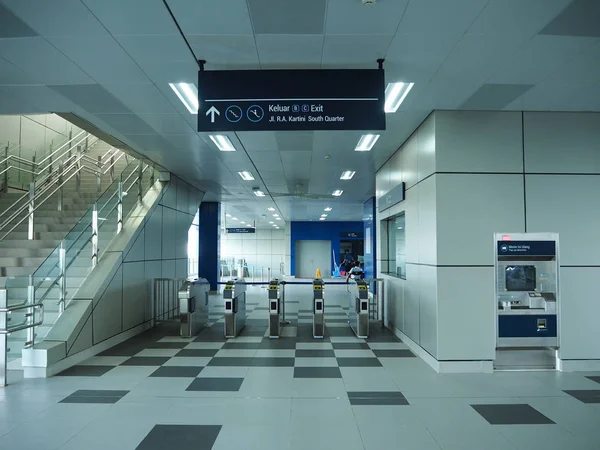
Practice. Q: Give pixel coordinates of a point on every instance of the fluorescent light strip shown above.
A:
(366, 142)
(234, 218)
(188, 94)
(277, 218)
(246, 176)
(328, 209)
(322, 218)
(395, 93)
(347, 175)
(227, 215)
(222, 142)
(270, 209)
(337, 192)
(323, 215)
(259, 193)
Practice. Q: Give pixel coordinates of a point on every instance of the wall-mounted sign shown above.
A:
(241, 230)
(352, 234)
(273, 100)
(526, 248)
(392, 198)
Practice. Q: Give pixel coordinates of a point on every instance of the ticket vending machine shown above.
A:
(193, 306)
(318, 308)
(358, 309)
(274, 308)
(527, 291)
(234, 295)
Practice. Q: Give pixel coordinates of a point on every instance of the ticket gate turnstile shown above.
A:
(318, 308)
(274, 308)
(358, 309)
(193, 306)
(234, 295)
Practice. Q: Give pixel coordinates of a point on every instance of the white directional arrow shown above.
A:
(212, 111)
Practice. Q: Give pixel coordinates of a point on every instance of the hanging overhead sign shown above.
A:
(241, 230)
(295, 100)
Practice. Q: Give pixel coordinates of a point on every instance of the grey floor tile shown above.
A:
(85, 371)
(377, 398)
(216, 384)
(167, 345)
(330, 320)
(102, 400)
(394, 354)
(512, 414)
(358, 362)
(317, 372)
(315, 354)
(95, 396)
(594, 378)
(146, 361)
(203, 353)
(234, 362)
(350, 346)
(241, 346)
(585, 396)
(283, 343)
(253, 331)
(198, 437)
(177, 372)
(273, 362)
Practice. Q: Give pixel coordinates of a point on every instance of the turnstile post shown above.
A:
(318, 309)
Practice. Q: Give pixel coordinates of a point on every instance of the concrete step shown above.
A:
(28, 245)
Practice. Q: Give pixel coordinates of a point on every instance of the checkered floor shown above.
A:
(158, 391)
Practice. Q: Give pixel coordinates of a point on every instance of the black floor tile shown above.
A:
(596, 379)
(350, 346)
(585, 396)
(241, 345)
(146, 361)
(168, 345)
(378, 334)
(198, 437)
(212, 334)
(317, 372)
(85, 371)
(340, 331)
(328, 320)
(315, 354)
(273, 362)
(394, 354)
(231, 362)
(176, 372)
(198, 353)
(377, 398)
(124, 349)
(216, 384)
(511, 414)
(283, 343)
(253, 331)
(358, 362)
(95, 396)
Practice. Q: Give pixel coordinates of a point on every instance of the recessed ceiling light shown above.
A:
(246, 176)
(274, 225)
(242, 221)
(234, 218)
(222, 142)
(328, 209)
(366, 142)
(248, 225)
(271, 209)
(395, 93)
(227, 215)
(259, 193)
(347, 175)
(275, 215)
(277, 228)
(322, 218)
(188, 94)
(337, 192)
(323, 215)
(277, 218)
(271, 222)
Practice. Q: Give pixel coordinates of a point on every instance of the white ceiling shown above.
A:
(110, 62)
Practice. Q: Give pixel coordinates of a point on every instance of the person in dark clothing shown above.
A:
(348, 261)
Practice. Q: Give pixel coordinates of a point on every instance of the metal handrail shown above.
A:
(63, 146)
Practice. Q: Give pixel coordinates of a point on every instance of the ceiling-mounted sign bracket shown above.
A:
(380, 62)
(201, 63)
(294, 100)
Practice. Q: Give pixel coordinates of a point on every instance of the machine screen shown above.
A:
(520, 278)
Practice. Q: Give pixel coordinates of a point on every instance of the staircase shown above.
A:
(23, 260)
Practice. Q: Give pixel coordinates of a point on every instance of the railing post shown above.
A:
(78, 176)
(152, 176)
(140, 173)
(95, 236)
(86, 143)
(62, 265)
(120, 207)
(112, 167)
(31, 319)
(60, 186)
(99, 175)
(30, 231)
(5, 185)
(3, 337)
(50, 163)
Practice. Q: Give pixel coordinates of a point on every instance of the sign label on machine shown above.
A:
(278, 100)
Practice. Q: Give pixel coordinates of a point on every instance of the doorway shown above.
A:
(313, 255)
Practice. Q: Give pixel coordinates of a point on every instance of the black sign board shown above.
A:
(352, 234)
(241, 230)
(392, 198)
(274, 100)
(526, 248)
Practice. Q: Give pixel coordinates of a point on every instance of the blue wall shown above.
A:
(322, 231)
(209, 243)
(370, 235)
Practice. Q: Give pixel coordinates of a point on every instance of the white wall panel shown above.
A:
(134, 294)
(426, 149)
(184, 221)
(152, 269)
(426, 231)
(168, 268)
(470, 209)
(478, 141)
(153, 234)
(181, 268)
(170, 196)
(579, 312)
(409, 161)
(428, 315)
(182, 196)
(562, 142)
(411, 212)
(169, 233)
(107, 314)
(395, 170)
(412, 303)
(137, 250)
(466, 313)
(394, 301)
(570, 206)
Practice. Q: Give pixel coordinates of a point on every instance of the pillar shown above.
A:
(209, 243)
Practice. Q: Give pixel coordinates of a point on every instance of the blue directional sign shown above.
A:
(273, 100)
